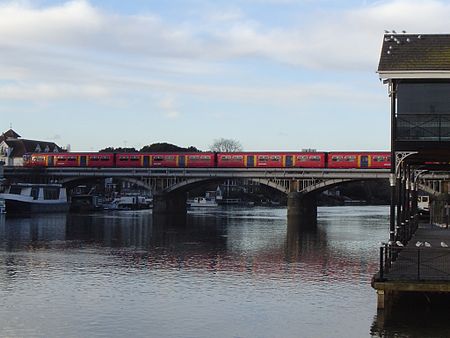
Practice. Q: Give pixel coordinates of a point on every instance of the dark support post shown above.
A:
(392, 179)
(381, 263)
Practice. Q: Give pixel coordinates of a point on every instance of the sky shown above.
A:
(272, 74)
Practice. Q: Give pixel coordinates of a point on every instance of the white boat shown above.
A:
(130, 203)
(29, 198)
(202, 202)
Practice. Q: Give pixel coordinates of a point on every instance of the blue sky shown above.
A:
(272, 74)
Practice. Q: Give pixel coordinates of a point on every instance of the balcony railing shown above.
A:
(423, 127)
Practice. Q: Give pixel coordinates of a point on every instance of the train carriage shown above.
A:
(100, 160)
(271, 160)
(183, 160)
(373, 160)
(132, 160)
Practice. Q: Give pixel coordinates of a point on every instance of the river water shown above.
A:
(217, 273)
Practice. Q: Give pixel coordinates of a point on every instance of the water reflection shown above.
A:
(194, 276)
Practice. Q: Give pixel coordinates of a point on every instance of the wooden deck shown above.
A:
(418, 268)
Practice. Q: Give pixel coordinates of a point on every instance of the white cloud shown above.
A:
(79, 50)
(168, 106)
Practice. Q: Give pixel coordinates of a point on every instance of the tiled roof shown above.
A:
(9, 134)
(415, 52)
(21, 147)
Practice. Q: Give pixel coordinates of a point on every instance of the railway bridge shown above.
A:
(170, 185)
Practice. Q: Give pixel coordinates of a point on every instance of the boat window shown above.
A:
(35, 193)
(51, 193)
(15, 190)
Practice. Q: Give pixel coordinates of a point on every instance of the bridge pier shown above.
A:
(169, 203)
(302, 208)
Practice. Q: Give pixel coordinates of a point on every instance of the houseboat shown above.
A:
(30, 198)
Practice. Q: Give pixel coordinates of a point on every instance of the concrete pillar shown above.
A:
(302, 209)
(170, 203)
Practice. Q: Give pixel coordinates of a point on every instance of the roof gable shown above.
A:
(415, 53)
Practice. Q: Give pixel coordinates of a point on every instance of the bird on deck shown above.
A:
(444, 245)
(428, 245)
(419, 243)
(399, 243)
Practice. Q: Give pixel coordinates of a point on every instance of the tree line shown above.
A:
(219, 145)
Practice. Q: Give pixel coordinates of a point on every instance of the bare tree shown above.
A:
(226, 145)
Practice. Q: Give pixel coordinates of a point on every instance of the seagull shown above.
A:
(386, 31)
(394, 32)
(419, 243)
(428, 245)
(444, 245)
(404, 32)
(399, 243)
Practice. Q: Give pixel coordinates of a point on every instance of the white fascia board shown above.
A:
(429, 74)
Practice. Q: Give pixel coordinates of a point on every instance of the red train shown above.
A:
(375, 160)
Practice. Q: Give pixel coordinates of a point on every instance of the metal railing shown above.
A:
(423, 127)
(414, 264)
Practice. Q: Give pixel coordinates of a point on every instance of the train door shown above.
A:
(364, 161)
(250, 161)
(83, 161)
(182, 161)
(146, 161)
(50, 160)
(289, 161)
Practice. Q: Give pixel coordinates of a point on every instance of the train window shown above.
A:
(123, 158)
(314, 158)
(60, 158)
(158, 158)
(38, 159)
(134, 158)
(104, 158)
(336, 158)
(238, 157)
(205, 157)
(226, 158)
(194, 158)
(302, 158)
(275, 158)
(170, 158)
(72, 158)
(94, 158)
(263, 158)
(349, 158)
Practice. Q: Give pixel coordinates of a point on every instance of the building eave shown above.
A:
(428, 74)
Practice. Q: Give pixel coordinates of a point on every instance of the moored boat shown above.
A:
(35, 198)
(202, 202)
